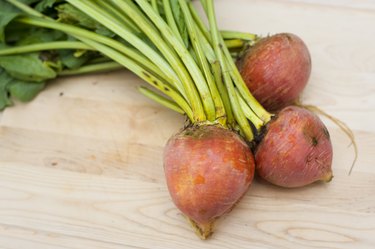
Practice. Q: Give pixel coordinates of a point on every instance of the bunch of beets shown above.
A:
(226, 83)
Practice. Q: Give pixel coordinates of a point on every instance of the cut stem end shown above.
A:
(327, 178)
(204, 231)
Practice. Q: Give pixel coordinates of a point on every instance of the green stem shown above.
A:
(238, 35)
(196, 74)
(170, 19)
(133, 65)
(204, 4)
(234, 43)
(201, 58)
(228, 35)
(127, 22)
(257, 108)
(91, 40)
(165, 48)
(160, 99)
(154, 4)
(95, 68)
(25, 8)
(215, 65)
(91, 9)
(218, 46)
(235, 74)
(249, 113)
(45, 46)
(143, 74)
(199, 21)
(207, 48)
(205, 41)
(75, 31)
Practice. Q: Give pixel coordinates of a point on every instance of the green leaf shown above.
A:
(7, 13)
(67, 13)
(21, 90)
(22, 34)
(25, 91)
(44, 4)
(39, 35)
(71, 61)
(27, 67)
(5, 79)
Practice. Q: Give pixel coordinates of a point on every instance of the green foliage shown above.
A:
(28, 67)
(23, 76)
(71, 15)
(25, 91)
(45, 4)
(7, 13)
(72, 59)
(13, 88)
(5, 80)
(38, 35)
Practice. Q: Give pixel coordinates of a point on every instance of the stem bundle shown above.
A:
(193, 68)
(190, 66)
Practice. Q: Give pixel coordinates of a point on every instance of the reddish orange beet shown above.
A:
(276, 70)
(208, 169)
(296, 150)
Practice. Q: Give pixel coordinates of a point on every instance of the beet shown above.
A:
(208, 169)
(276, 70)
(296, 149)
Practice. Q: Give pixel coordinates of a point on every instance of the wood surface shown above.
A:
(81, 165)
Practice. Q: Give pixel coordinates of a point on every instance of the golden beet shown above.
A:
(296, 149)
(276, 70)
(208, 169)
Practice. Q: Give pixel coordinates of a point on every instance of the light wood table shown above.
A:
(81, 165)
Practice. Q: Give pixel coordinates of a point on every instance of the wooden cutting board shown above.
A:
(81, 165)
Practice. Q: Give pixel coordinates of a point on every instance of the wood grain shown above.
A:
(80, 166)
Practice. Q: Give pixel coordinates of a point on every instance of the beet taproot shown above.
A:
(276, 70)
(296, 149)
(208, 169)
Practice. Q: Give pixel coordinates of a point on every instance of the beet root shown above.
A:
(296, 150)
(208, 169)
(276, 70)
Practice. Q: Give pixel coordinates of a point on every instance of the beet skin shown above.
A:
(208, 169)
(276, 70)
(296, 150)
